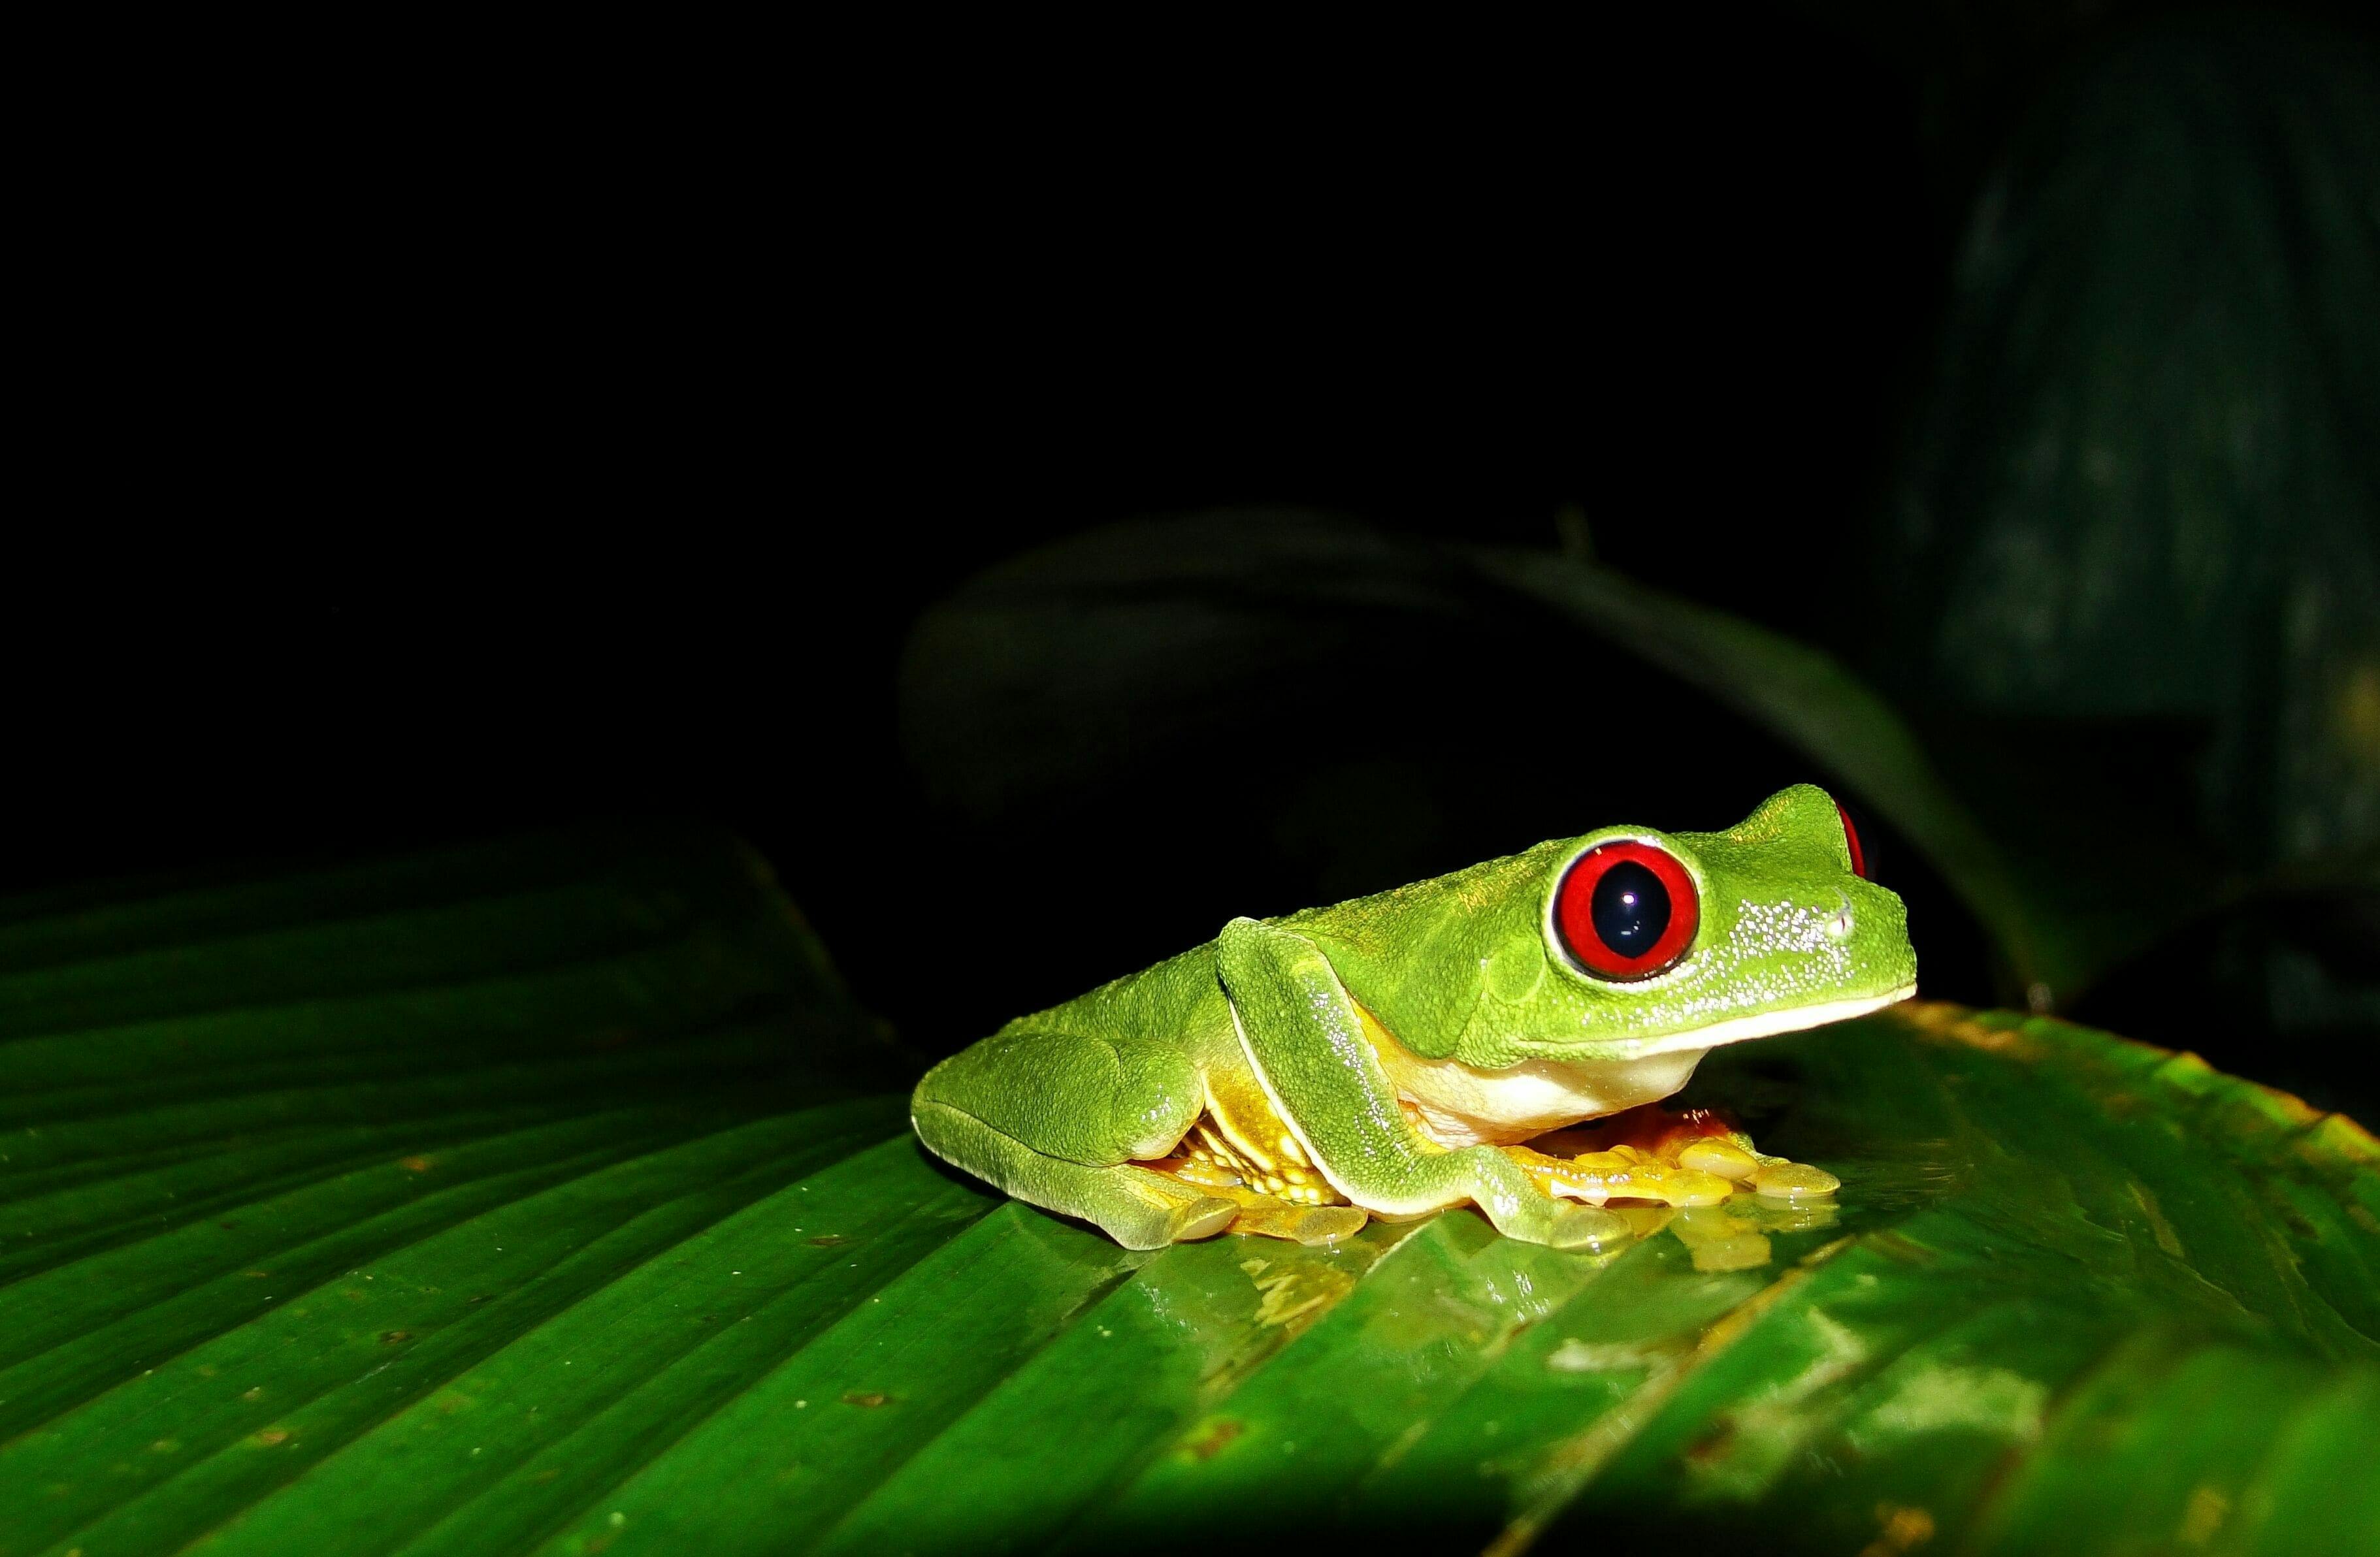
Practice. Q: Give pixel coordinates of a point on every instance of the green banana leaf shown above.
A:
(552, 1195)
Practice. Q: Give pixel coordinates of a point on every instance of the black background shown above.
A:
(596, 461)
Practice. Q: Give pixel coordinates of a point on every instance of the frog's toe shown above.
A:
(1717, 1154)
(1589, 1227)
(1303, 1223)
(1201, 1218)
(1688, 1187)
(1793, 1181)
(1329, 1224)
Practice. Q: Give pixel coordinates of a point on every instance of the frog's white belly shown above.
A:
(1461, 1105)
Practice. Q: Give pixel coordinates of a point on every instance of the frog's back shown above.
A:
(1369, 939)
(1178, 1003)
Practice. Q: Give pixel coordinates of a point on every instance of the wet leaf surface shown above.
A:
(553, 1197)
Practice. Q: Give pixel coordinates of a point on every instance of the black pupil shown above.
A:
(1630, 908)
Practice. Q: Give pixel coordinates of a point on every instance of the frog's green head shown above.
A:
(1661, 941)
(1629, 942)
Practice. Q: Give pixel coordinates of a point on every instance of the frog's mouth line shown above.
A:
(1766, 1024)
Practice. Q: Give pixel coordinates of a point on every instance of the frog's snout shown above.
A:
(1839, 927)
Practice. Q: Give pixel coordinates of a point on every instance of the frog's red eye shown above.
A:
(1627, 910)
(1851, 836)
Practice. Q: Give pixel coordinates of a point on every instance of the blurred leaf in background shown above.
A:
(2132, 585)
(1148, 729)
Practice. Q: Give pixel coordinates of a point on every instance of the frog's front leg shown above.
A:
(1054, 1119)
(1304, 1039)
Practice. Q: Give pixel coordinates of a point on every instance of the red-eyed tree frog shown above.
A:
(1387, 1057)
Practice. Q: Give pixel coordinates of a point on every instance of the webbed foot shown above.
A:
(1682, 1160)
(1623, 1172)
(1257, 1213)
(1300, 1224)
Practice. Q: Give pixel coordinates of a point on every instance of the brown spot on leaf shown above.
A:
(391, 1337)
(1903, 1530)
(414, 1165)
(828, 1241)
(1711, 1447)
(1208, 1444)
(866, 1397)
(271, 1436)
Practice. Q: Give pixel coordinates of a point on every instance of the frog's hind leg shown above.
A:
(1133, 1206)
(1056, 1119)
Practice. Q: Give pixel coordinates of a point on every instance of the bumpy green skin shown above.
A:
(1056, 1107)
